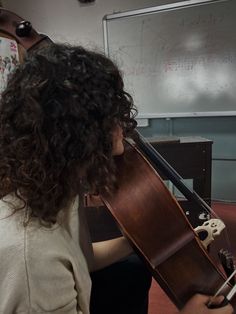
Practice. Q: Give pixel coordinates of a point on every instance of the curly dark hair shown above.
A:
(57, 115)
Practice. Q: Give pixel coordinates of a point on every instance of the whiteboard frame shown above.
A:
(153, 10)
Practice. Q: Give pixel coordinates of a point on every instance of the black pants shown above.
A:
(121, 288)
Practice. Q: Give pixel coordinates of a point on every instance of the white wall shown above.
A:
(73, 22)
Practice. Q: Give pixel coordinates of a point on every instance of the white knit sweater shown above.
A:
(42, 270)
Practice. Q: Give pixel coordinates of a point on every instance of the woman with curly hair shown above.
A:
(63, 117)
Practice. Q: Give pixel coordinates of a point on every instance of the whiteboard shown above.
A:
(178, 59)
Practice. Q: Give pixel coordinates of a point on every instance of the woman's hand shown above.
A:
(198, 305)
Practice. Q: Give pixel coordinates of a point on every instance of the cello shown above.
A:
(144, 210)
(154, 223)
(14, 27)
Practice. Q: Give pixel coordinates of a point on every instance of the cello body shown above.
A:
(154, 223)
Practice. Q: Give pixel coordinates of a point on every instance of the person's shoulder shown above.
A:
(41, 265)
(30, 242)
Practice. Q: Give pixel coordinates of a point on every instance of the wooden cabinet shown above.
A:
(191, 157)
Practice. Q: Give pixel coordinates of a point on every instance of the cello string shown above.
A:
(154, 151)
